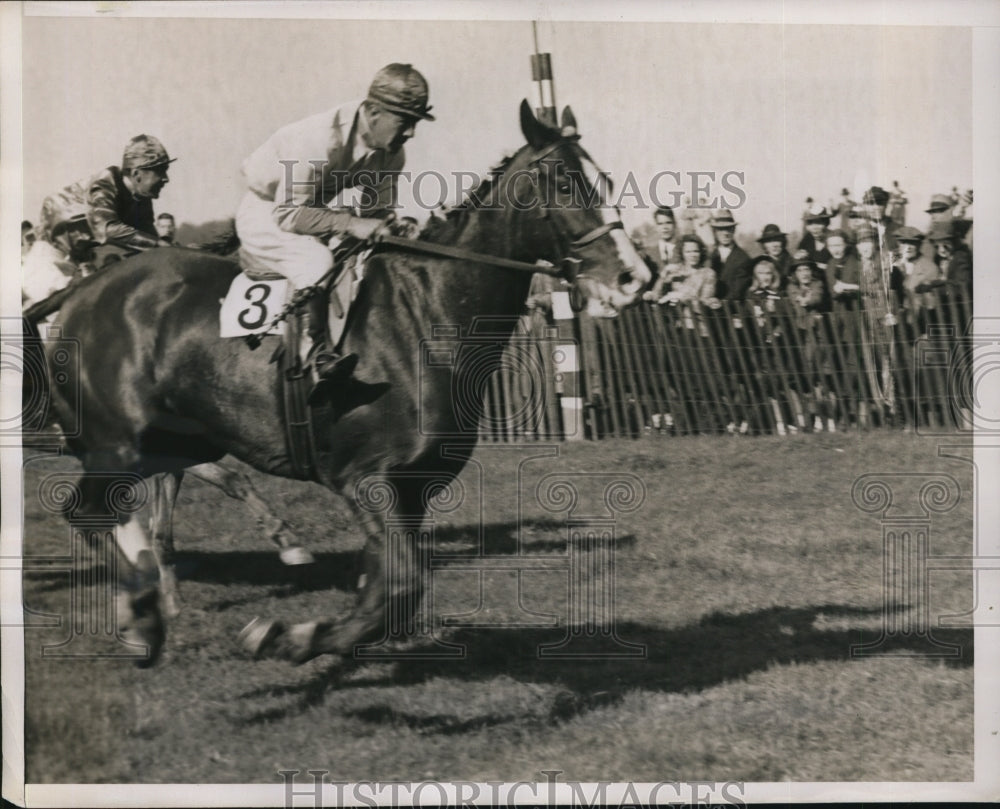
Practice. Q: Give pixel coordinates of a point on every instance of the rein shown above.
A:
(566, 270)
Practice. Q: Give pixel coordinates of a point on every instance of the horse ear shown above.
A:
(535, 132)
(568, 122)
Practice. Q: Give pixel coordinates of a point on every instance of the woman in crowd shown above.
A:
(810, 300)
(691, 293)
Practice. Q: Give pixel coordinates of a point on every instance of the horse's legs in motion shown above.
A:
(137, 597)
(239, 486)
(391, 585)
(164, 496)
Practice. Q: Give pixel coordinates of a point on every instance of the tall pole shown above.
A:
(541, 74)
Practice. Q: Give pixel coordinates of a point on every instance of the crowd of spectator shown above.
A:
(867, 284)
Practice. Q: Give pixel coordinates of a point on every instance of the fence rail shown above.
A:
(742, 369)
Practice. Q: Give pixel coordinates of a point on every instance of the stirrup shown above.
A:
(331, 376)
(329, 365)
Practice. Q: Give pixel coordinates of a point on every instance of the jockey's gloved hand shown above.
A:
(364, 228)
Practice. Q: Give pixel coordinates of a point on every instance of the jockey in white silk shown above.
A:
(283, 221)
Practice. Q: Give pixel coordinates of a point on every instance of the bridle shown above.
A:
(590, 236)
(567, 266)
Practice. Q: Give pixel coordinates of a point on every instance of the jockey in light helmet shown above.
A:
(283, 221)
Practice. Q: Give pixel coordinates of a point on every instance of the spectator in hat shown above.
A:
(876, 199)
(843, 269)
(166, 227)
(816, 220)
(283, 221)
(775, 245)
(811, 358)
(952, 208)
(953, 260)
(940, 208)
(120, 200)
(855, 218)
(807, 288)
(729, 261)
(918, 277)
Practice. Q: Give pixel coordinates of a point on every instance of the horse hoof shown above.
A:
(258, 635)
(142, 625)
(171, 606)
(299, 645)
(296, 556)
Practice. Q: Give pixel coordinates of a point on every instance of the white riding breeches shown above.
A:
(300, 258)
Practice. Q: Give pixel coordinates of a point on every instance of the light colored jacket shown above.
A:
(303, 166)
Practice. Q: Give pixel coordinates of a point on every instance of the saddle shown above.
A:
(255, 298)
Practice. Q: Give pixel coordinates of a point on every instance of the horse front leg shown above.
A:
(164, 498)
(239, 487)
(389, 591)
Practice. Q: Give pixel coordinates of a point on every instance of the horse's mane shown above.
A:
(445, 230)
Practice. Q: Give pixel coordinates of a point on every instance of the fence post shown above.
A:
(567, 368)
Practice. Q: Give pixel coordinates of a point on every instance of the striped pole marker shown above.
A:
(567, 368)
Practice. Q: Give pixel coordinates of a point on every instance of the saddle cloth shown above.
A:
(256, 297)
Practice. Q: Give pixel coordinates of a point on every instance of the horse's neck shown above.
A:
(497, 293)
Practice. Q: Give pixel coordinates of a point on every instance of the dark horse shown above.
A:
(161, 391)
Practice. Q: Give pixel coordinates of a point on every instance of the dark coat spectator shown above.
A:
(774, 243)
(729, 261)
(816, 221)
(953, 260)
(843, 270)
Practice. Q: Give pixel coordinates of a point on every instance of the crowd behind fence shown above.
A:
(740, 369)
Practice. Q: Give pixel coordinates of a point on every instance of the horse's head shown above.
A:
(555, 188)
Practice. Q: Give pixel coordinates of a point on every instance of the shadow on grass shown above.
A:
(719, 648)
(540, 536)
(337, 570)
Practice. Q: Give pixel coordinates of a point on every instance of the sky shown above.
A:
(796, 110)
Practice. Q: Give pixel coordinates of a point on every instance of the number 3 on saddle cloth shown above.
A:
(256, 296)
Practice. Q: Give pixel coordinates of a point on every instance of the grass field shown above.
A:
(747, 573)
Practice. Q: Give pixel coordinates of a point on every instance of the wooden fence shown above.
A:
(738, 369)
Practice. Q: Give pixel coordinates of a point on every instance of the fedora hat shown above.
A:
(817, 213)
(908, 234)
(772, 233)
(723, 218)
(939, 203)
(941, 232)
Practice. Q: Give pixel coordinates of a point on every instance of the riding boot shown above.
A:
(331, 368)
(327, 362)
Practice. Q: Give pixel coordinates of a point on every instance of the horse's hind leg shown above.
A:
(137, 596)
(239, 487)
(164, 497)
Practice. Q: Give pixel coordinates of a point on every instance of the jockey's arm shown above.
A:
(300, 204)
(324, 222)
